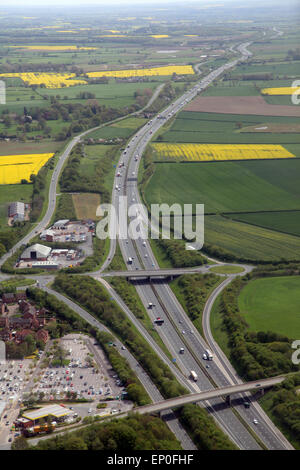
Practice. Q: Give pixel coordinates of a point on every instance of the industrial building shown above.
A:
(36, 252)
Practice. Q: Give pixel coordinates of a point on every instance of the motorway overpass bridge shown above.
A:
(208, 395)
(155, 274)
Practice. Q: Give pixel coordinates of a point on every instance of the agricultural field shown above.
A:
(18, 148)
(217, 152)
(275, 69)
(272, 304)
(249, 242)
(85, 205)
(281, 91)
(121, 129)
(228, 186)
(49, 80)
(260, 198)
(15, 168)
(218, 128)
(93, 153)
(146, 72)
(111, 94)
(281, 221)
(54, 48)
(254, 105)
(9, 193)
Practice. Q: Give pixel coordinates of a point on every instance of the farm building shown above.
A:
(16, 210)
(36, 252)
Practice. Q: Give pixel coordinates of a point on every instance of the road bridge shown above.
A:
(210, 394)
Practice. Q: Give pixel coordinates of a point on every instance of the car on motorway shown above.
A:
(255, 421)
(204, 356)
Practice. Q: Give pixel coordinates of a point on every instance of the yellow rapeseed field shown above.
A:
(215, 152)
(280, 91)
(154, 71)
(14, 168)
(50, 80)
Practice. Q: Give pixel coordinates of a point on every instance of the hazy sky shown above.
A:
(41, 3)
(4, 4)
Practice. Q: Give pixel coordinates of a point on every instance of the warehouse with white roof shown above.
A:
(36, 252)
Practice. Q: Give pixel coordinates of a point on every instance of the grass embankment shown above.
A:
(227, 269)
(192, 291)
(10, 285)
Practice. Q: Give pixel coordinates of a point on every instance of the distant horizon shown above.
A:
(25, 4)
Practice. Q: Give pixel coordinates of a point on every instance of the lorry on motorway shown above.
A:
(208, 355)
(194, 376)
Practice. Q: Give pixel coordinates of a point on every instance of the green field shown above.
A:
(93, 154)
(238, 87)
(227, 186)
(249, 242)
(122, 129)
(226, 128)
(112, 94)
(274, 68)
(272, 304)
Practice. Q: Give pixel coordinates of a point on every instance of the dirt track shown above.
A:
(241, 105)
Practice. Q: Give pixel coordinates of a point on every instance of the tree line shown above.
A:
(203, 430)
(135, 432)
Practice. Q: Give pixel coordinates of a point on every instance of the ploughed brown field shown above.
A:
(240, 105)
